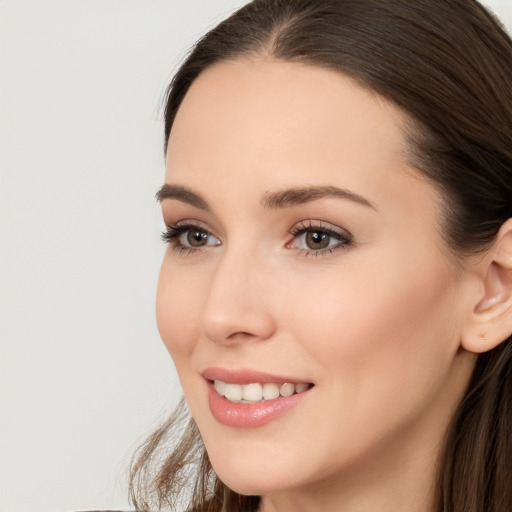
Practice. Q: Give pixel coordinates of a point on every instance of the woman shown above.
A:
(337, 290)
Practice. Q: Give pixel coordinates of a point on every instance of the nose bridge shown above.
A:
(238, 304)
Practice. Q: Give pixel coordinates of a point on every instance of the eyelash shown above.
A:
(173, 233)
(344, 238)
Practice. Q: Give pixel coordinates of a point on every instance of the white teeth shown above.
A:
(270, 391)
(252, 392)
(219, 386)
(233, 392)
(287, 389)
(255, 392)
(299, 388)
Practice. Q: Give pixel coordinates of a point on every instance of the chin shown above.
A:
(253, 481)
(256, 470)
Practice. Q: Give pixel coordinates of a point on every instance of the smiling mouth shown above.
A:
(256, 392)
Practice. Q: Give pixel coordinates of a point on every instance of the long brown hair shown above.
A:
(448, 65)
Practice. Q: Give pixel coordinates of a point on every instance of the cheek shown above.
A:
(382, 346)
(379, 331)
(177, 306)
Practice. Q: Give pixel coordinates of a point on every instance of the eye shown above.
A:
(194, 238)
(189, 236)
(318, 238)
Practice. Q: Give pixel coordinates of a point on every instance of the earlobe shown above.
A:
(491, 318)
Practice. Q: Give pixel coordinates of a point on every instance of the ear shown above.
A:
(490, 320)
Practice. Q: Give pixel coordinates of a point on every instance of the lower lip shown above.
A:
(252, 415)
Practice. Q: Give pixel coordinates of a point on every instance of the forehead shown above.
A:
(280, 111)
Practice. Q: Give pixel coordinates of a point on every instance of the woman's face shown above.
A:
(304, 250)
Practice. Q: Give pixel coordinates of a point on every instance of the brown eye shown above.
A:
(316, 240)
(189, 236)
(196, 238)
(320, 239)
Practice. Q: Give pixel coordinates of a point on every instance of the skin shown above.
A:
(375, 324)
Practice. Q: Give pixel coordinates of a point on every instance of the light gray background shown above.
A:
(83, 375)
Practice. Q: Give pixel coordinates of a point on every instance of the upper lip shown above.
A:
(248, 376)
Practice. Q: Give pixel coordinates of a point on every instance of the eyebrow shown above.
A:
(183, 194)
(272, 200)
(301, 195)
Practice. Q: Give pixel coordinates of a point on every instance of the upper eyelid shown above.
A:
(319, 225)
(184, 226)
(190, 223)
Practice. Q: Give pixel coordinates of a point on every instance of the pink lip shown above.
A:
(247, 376)
(249, 415)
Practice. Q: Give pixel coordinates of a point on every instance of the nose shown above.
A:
(238, 306)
